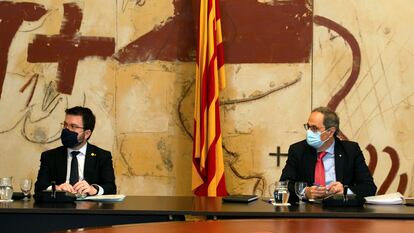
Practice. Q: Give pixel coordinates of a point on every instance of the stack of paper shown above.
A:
(103, 198)
(386, 199)
(409, 200)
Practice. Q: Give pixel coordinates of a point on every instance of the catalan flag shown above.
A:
(208, 164)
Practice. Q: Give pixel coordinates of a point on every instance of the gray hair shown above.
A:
(330, 118)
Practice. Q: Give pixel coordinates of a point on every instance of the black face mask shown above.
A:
(69, 138)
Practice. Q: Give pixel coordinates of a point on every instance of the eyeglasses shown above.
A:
(313, 128)
(71, 127)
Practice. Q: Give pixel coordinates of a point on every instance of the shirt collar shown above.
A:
(82, 150)
(331, 148)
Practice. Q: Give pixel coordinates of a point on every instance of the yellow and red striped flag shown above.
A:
(208, 163)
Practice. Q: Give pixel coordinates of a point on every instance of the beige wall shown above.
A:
(139, 104)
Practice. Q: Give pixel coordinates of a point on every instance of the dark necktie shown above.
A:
(320, 169)
(74, 172)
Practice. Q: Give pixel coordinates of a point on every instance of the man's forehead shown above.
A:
(316, 118)
(73, 118)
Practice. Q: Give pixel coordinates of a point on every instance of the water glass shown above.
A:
(281, 192)
(300, 190)
(26, 186)
(6, 189)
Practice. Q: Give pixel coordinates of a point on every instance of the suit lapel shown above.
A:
(339, 160)
(310, 161)
(61, 165)
(90, 161)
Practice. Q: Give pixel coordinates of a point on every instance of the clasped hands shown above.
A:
(318, 192)
(81, 187)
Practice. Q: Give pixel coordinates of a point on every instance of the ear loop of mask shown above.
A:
(327, 130)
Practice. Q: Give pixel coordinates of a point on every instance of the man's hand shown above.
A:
(315, 192)
(335, 188)
(65, 187)
(82, 187)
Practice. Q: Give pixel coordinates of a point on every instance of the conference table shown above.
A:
(265, 226)
(18, 215)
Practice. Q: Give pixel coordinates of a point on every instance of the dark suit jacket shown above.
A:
(98, 168)
(350, 167)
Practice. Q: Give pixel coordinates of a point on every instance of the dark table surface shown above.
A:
(266, 226)
(205, 206)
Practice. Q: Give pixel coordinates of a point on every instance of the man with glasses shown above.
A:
(77, 166)
(325, 162)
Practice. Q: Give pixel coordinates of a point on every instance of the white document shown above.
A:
(103, 198)
(386, 199)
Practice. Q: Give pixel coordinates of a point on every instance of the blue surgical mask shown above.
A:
(314, 139)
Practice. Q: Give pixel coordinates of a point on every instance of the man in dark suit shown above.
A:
(77, 166)
(325, 162)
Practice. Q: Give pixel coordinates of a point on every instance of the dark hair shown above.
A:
(330, 118)
(87, 116)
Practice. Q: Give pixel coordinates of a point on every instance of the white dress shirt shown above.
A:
(329, 164)
(81, 165)
(81, 162)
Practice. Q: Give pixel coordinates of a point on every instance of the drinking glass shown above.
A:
(26, 186)
(281, 192)
(300, 190)
(6, 189)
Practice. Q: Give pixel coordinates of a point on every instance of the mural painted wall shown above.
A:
(132, 63)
